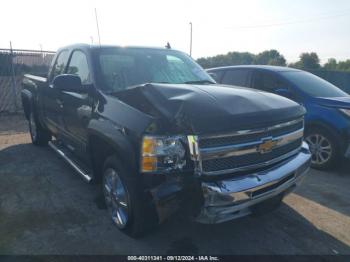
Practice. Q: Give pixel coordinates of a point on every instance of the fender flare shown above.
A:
(335, 133)
(321, 124)
(27, 101)
(117, 139)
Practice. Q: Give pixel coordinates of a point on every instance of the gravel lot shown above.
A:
(45, 208)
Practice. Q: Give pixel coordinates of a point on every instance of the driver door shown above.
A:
(77, 107)
(52, 97)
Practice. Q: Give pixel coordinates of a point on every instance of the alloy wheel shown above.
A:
(320, 147)
(116, 197)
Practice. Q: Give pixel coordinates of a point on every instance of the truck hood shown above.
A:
(207, 109)
(339, 102)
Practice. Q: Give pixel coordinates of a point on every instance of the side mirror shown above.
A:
(213, 75)
(69, 83)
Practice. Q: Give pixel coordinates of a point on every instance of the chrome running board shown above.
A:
(74, 165)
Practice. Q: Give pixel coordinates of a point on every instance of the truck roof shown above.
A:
(264, 67)
(95, 46)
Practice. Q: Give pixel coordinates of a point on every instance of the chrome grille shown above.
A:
(247, 149)
(218, 164)
(223, 140)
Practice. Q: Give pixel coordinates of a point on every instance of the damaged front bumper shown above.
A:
(232, 198)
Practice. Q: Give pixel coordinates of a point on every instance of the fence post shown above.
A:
(13, 79)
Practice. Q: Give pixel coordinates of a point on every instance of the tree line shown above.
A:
(307, 61)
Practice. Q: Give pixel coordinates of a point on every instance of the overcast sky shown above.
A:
(290, 26)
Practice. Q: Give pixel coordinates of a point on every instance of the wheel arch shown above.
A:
(318, 124)
(27, 102)
(105, 140)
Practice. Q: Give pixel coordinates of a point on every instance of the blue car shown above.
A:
(327, 122)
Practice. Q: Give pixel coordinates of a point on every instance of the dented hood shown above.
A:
(204, 109)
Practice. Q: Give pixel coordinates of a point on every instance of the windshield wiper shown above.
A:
(200, 82)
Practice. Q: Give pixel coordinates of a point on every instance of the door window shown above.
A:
(268, 82)
(237, 77)
(271, 83)
(78, 65)
(60, 64)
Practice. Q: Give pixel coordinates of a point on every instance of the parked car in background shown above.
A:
(161, 136)
(327, 121)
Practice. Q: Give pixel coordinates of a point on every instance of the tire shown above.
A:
(39, 136)
(136, 216)
(324, 147)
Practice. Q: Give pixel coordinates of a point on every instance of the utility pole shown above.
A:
(191, 39)
(98, 29)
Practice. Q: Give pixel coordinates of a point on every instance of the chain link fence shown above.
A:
(14, 63)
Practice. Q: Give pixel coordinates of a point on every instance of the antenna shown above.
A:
(190, 38)
(98, 29)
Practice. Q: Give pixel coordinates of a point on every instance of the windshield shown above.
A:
(119, 68)
(313, 85)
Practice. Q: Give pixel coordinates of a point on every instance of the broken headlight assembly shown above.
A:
(162, 153)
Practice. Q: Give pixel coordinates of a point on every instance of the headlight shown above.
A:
(160, 153)
(345, 111)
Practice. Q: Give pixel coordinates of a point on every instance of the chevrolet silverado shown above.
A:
(160, 136)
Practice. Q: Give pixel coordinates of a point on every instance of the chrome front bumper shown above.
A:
(232, 198)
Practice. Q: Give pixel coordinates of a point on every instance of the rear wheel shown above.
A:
(38, 134)
(324, 148)
(128, 206)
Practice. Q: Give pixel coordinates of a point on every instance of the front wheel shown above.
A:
(117, 197)
(129, 208)
(38, 134)
(324, 148)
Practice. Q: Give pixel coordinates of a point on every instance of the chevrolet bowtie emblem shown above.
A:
(266, 146)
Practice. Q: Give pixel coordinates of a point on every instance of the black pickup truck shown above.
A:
(162, 137)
